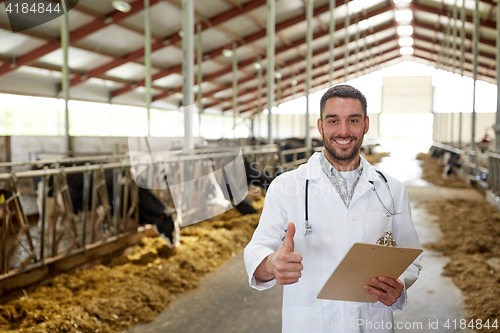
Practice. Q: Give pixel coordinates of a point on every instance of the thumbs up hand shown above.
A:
(286, 264)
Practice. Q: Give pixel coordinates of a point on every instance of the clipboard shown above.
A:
(361, 263)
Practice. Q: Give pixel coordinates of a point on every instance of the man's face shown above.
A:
(343, 126)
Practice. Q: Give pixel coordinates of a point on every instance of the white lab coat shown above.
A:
(334, 229)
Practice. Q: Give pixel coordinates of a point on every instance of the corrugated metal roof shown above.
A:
(107, 47)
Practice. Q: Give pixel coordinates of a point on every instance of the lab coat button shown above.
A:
(350, 312)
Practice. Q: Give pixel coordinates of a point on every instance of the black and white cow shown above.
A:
(151, 209)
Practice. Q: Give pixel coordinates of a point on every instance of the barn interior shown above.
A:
(138, 139)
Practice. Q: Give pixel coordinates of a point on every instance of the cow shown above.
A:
(450, 160)
(295, 143)
(151, 209)
(451, 163)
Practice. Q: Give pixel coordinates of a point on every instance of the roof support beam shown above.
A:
(170, 40)
(65, 73)
(81, 47)
(270, 53)
(259, 96)
(199, 75)
(299, 59)
(485, 77)
(147, 60)
(497, 125)
(454, 63)
(287, 78)
(74, 36)
(441, 29)
(429, 40)
(346, 38)
(254, 37)
(324, 80)
(187, 70)
(235, 88)
(444, 12)
(279, 50)
(309, 34)
(462, 59)
(474, 74)
(331, 42)
(433, 52)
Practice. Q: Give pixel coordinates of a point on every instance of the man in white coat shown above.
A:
(337, 187)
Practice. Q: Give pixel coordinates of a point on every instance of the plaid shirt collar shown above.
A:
(337, 180)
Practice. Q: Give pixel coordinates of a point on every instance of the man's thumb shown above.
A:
(288, 241)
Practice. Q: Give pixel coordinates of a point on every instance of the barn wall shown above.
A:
(484, 124)
(22, 146)
(407, 94)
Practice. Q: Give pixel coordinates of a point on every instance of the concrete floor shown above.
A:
(433, 298)
(225, 303)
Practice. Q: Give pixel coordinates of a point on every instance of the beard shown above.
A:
(344, 155)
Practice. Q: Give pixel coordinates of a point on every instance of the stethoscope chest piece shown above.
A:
(306, 228)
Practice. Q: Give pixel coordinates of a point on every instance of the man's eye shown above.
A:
(332, 121)
(354, 120)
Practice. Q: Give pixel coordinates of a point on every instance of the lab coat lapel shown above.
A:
(317, 176)
(364, 185)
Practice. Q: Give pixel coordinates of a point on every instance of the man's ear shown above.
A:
(319, 123)
(367, 124)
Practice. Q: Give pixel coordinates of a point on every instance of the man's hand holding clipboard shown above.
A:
(369, 273)
(388, 291)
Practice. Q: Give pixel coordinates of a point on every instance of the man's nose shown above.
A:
(344, 128)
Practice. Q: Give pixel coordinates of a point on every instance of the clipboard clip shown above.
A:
(387, 240)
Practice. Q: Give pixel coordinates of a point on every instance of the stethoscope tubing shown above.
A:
(307, 228)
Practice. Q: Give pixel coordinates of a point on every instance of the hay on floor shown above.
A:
(432, 172)
(134, 288)
(471, 238)
(375, 158)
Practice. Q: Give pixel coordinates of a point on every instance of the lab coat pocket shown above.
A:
(376, 225)
(302, 319)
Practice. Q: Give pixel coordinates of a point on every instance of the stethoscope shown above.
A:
(307, 228)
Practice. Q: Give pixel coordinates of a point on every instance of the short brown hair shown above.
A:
(342, 91)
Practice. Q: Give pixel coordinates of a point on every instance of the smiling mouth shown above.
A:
(343, 142)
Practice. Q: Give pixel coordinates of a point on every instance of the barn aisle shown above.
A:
(433, 298)
(225, 303)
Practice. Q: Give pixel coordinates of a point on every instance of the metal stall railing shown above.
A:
(61, 231)
(63, 234)
(294, 161)
(481, 169)
(494, 176)
(263, 156)
(63, 160)
(476, 166)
